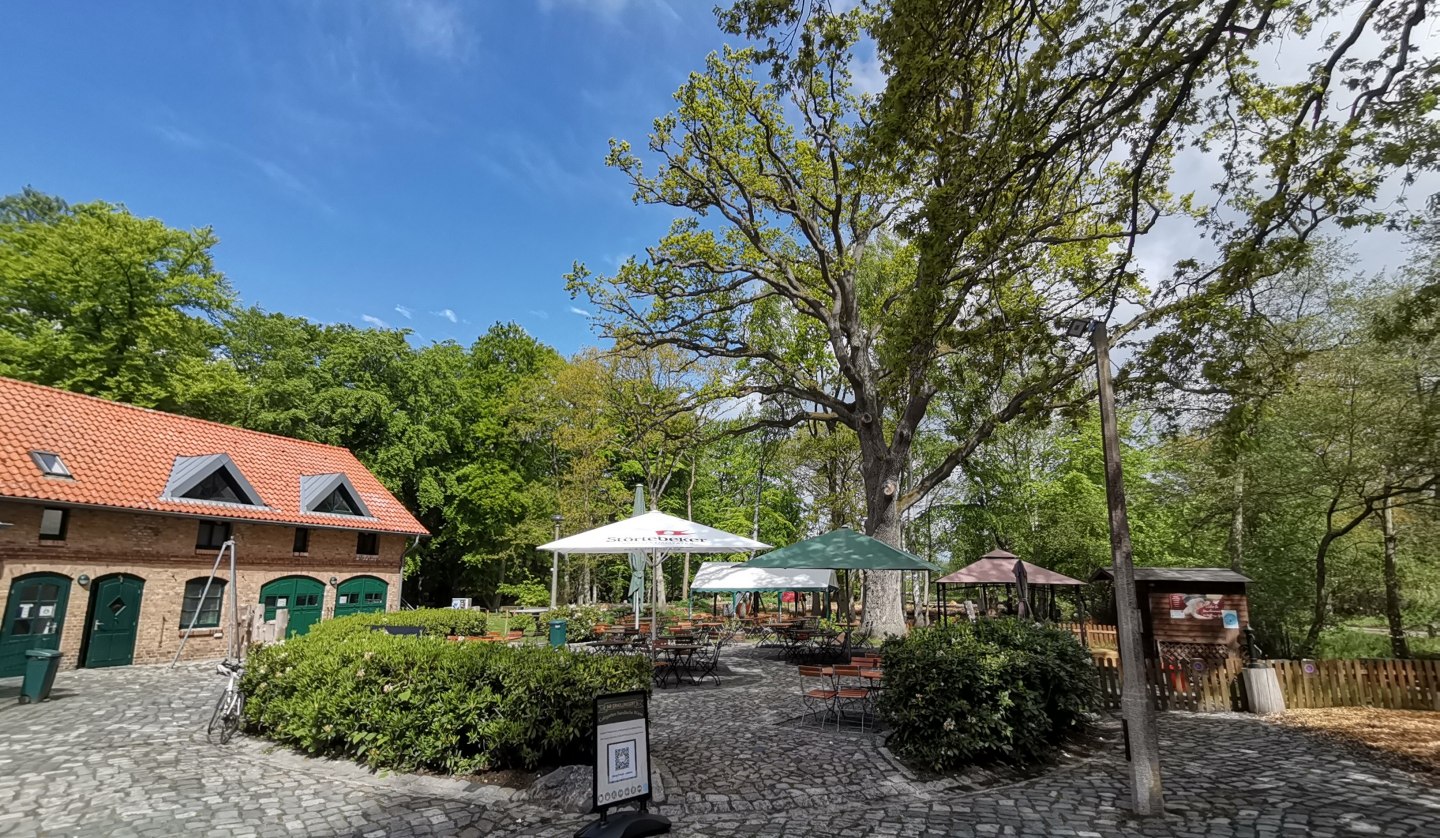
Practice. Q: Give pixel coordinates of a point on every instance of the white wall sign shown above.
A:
(622, 748)
(460, 602)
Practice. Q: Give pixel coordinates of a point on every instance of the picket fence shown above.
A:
(1096, 634)
(1211, 687)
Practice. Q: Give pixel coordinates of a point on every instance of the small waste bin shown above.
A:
(40, 668)
(557, 633)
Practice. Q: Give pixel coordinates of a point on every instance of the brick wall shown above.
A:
(160, 549)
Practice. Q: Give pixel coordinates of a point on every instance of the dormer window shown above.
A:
(332, 494)
(50, 464)
(337, 502)
(219, 486)
(213, 478)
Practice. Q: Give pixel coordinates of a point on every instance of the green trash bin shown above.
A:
(40, 668)
(557, 633)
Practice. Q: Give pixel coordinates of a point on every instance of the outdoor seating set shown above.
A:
(689, 649)
(843, 692)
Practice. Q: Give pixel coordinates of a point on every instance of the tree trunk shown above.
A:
(1235, 544)
(884, 613)
(1322, 593)
(1399, 646)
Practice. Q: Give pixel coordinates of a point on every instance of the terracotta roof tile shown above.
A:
(121, 456)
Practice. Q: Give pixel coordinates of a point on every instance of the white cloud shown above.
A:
(580, 311)
(447, 314)
(178, 137)
(543, 315)
(434, 29)
(292, 183)
(375, 321)
(405, 311)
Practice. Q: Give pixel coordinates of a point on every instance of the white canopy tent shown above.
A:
(658, 534)
(733, 577)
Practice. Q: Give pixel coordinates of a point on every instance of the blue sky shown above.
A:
(429, 164)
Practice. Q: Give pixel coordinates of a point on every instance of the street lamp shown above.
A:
(555, 563)
(1142, 744)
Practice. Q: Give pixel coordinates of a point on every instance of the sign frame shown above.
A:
(460, 603)
(602, 751)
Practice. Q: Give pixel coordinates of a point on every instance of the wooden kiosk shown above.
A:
(1190, 613)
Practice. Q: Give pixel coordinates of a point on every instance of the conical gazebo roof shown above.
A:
(997, 567)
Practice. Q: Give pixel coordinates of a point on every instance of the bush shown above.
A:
(412, 703)
(580, 620)
(433, 621)
(1003, 690)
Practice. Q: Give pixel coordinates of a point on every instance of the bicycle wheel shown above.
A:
(225, 718)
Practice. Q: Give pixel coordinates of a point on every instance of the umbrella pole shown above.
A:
(654, 597)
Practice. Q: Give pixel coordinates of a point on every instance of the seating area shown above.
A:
(843, 693)
(682, 651)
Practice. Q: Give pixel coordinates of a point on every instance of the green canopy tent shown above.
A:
(844, 549)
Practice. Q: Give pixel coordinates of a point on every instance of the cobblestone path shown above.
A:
(122, 752)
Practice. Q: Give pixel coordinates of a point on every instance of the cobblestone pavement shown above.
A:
(122, 752)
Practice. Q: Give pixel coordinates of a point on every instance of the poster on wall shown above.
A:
(1231, 619)
(1195, 607)
(460, 602)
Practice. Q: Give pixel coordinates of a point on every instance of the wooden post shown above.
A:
(1135, 707)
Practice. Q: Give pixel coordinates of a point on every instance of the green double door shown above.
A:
(114, 619)
(301, 595)
(360, 595)
(34, 618)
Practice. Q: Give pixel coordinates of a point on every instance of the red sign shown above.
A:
(672, 532)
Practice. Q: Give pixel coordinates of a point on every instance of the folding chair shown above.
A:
(705, 661)
(817, 696)
(850, 694)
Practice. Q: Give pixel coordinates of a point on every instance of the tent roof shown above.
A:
(842, 549)
(654, 531)
(728, 577)
(998, 568)
(1177, 574)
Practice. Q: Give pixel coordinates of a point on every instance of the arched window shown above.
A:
(209, 609)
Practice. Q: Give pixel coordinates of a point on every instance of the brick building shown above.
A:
(112, 516)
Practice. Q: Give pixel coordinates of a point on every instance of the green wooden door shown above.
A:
(34, 618)
(114, 617)
(301, 595)
(360, 595)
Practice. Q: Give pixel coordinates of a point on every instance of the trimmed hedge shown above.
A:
(580, 620)
(412, 703)
(437, 622)
(995, 690)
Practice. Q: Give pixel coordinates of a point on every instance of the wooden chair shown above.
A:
(850, 694)
(817, 693)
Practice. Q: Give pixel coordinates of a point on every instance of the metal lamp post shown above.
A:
(1141, 737)
(555, 564)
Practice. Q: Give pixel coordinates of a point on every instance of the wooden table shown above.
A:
(680, 655)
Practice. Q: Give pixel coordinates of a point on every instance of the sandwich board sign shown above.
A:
(622, 766)
(460, 602)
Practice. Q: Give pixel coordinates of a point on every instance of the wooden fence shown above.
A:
(1095, 634)
(1210, 687)
(1372, 682)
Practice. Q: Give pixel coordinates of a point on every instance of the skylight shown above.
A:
(51, 464)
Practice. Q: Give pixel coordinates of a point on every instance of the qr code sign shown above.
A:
(622, 761)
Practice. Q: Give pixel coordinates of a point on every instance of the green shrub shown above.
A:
(1003, 690)
(1348, 644)
(433, 621)
(412, 703)
(580, 620)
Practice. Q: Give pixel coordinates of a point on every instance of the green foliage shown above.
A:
(425, 703)
(1347, 644)
(529, 592)
(996, 690)
(436, 622)
(580, 620)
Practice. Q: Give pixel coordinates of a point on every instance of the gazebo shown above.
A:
(997, 567)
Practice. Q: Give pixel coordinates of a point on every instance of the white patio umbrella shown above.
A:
(657, 534)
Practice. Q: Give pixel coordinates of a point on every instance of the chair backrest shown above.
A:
(866, 662)
(847, 672)
(812, 672)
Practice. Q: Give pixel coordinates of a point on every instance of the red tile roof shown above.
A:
(121, 456)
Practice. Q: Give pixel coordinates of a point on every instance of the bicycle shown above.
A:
(227, 717)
